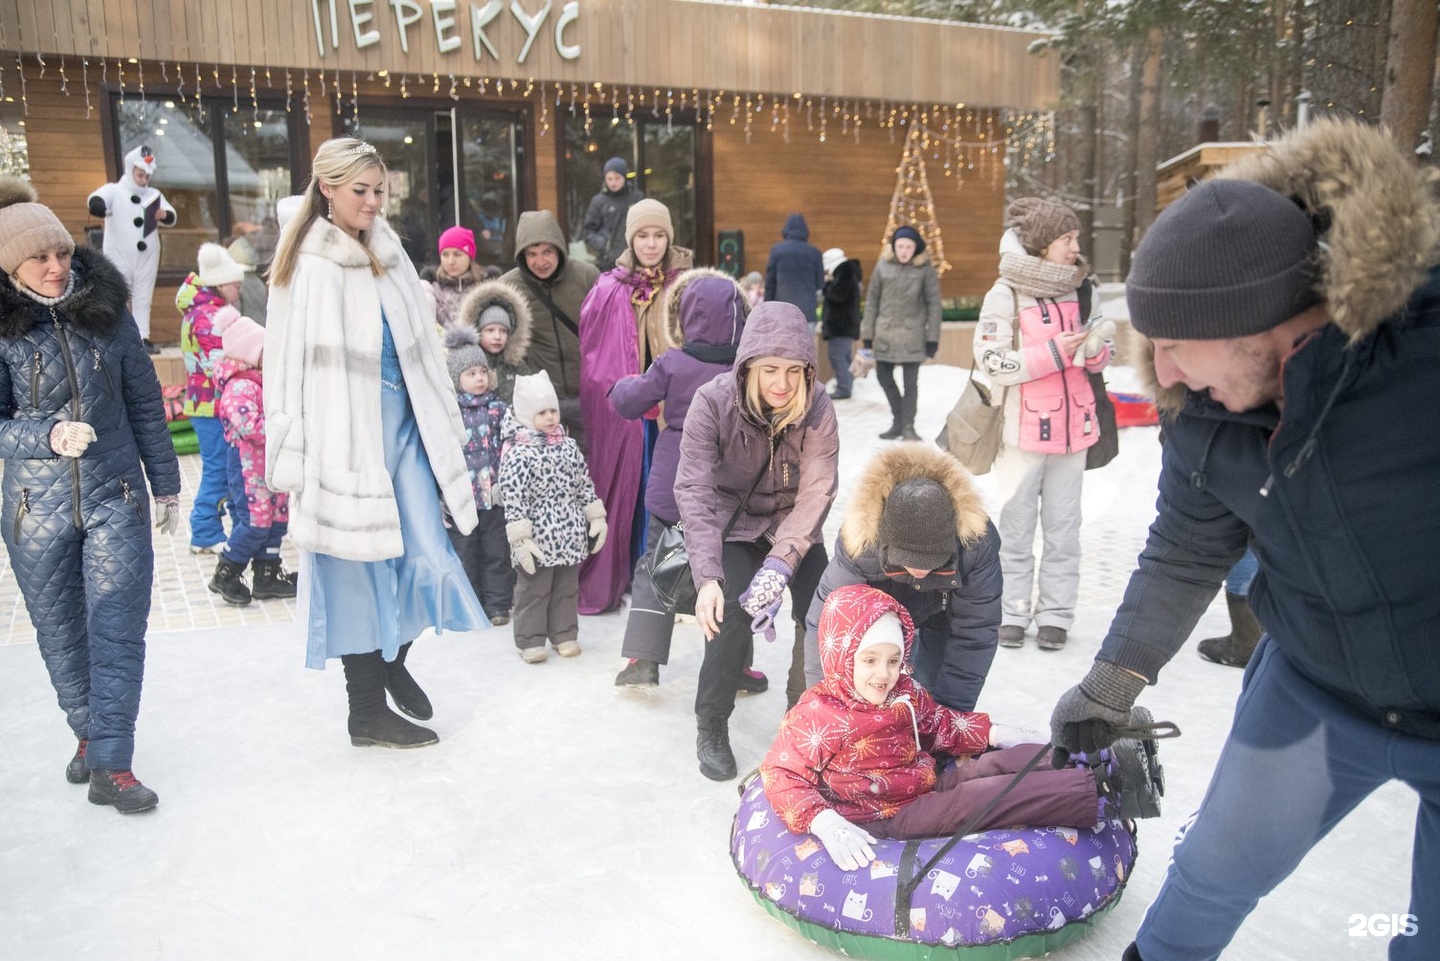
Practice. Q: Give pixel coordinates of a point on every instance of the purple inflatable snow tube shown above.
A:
(1021, 892)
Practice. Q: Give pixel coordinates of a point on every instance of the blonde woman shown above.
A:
(362, 430)
(760, 446)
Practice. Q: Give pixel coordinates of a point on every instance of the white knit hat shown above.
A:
(833, 258)
(887, 629)
(217, 267)
(533, 393)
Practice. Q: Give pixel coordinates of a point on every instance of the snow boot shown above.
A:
(639, 673)
(712, 747)
(270, 580)
(752, 682)
(1141, 778)
(229, 583)
(893, 433)
(120, 790)
(908, 433)
(1235, 648)
(407, 695)
(371, 720)
(76, 771)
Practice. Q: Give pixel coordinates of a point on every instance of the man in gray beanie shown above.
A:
(1294, 344)
(916, 528)
(604, 226)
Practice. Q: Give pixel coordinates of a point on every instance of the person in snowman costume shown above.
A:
(133, 210)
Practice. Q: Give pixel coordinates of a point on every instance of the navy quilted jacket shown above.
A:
(81, 359)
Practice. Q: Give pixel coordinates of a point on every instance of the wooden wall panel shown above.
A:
(843, 189)
(655, 43)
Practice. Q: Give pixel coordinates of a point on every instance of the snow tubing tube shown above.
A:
(999, 894)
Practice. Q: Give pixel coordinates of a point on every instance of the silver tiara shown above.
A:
(360, 147)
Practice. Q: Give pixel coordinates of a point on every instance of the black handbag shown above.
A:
(668, 563)
(1107, 446)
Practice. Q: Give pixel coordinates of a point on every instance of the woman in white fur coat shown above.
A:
(362, 430)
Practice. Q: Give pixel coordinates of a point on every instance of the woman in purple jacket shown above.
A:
(763, 440)
(705, 312)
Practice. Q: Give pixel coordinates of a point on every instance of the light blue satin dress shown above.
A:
(361, 606)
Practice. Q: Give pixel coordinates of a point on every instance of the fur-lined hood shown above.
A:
(497, 292)
(919, 260)
(97, 305)
(673, 332)
(1378, 215)
(859, 534)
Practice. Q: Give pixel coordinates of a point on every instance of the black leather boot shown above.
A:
(371, 720)
(712, 747)
(229, 583)
(270, 580)
(1235, 648)
(406, 693)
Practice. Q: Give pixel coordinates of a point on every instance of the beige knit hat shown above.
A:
(26, 227)
(217, 267)
(533, 394)
(1038, 222)
(648, 213)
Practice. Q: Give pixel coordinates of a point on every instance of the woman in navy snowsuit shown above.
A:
(80, 412)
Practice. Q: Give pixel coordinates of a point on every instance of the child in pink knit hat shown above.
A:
(261, 515)
(456, 273)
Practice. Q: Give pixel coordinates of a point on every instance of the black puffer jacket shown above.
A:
(81, 359)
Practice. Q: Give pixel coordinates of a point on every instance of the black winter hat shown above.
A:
(908, 232)
(1231, 258)
(917, 525)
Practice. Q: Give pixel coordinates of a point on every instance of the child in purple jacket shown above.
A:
(704, 313)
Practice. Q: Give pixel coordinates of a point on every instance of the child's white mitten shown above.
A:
(847, 844)
(595, 514)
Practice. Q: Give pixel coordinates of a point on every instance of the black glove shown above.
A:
(931, 346)
(866, 344)
(96, 206)
(1087, 715)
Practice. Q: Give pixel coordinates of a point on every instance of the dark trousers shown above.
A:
(839, 350)
(725, 655)
(485, 555)
(247, 542)
(649, 627)
(547, 605)
(902, 408)
(1066, 798)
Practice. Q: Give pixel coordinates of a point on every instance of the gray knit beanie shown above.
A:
(463, 351)
(917, 525)
(495, 314)
(1229, 259)
(1038, 222)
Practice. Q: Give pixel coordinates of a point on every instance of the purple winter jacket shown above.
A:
(705, 315)
(724, 447)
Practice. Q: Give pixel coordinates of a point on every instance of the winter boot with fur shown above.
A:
(712, 747)
(371, 720)
(1235, 648)
(269, 580)
(406, 693)
(229, 583)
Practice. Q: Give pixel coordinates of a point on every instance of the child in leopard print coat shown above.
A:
(553, 519)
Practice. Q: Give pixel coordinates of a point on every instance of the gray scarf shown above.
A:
(1035, 277)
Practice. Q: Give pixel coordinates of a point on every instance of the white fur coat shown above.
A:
(324, 440)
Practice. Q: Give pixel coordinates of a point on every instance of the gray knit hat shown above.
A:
(463, 351)
(495, 314)
(917, 525)
(1231, 258)
(1038, 222)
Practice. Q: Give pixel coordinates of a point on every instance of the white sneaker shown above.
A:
(207, 548)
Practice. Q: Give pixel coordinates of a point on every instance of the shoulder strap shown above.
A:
(1084, 294)
(544, 296)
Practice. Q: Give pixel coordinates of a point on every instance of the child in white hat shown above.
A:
(553, 519)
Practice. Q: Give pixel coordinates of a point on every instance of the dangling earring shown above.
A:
(329, 211)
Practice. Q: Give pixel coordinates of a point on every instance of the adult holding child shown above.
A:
(362, 430)
(761, 445)
(622, 332)
(82, 426)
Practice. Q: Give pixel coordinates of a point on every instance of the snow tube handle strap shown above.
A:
(905, 888)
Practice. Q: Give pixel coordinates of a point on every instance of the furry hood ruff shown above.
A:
(492, 292)
(1378, 217)
(859, 533)
(677, 289)
(97, 304)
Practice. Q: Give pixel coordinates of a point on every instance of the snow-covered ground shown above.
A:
(559, 817)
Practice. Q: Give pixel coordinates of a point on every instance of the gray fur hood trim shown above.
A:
(676, 289)
(859, 533)
(498, 292)
(1378, 215)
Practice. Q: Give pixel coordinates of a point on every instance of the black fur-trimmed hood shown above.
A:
(99, 302)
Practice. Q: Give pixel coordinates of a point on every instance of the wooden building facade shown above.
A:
(733, 114)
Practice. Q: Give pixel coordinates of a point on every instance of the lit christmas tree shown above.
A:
(913, 204)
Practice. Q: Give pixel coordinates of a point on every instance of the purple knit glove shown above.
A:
(761, 599)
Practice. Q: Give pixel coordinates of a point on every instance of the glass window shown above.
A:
(661, 155)
(222, 170)
(406, 142)
(14, 148)
(491, 152)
